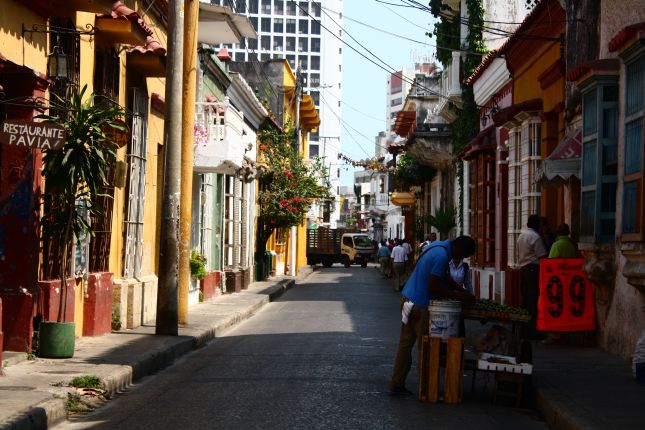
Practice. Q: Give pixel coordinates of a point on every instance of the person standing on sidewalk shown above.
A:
(531, 248)
(383, 255)
(563, 247)
(399, 259)
(426, 283)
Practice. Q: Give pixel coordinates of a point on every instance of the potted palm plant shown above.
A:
(75, 177)
(444, 220)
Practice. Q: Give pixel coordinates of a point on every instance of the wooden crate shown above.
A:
(430, 364)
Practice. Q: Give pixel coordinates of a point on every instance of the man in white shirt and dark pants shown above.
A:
(399, 259)
(531, 248)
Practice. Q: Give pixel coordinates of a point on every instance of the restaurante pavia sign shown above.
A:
(35, 135)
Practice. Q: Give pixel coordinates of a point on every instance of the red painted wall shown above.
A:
(1, 336)
(51, 299)
(19, 194)
(97, 309)
(211, 285)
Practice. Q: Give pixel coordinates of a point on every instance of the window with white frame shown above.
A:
(524, 161)
(136, 158)
(599, 159)
(229, 221)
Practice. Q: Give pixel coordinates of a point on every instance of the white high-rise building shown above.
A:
(308, 35)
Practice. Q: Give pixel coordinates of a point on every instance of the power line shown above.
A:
(402, 17)
(411, 40)
(345, 126)
(357, 110)
(391, 69)
(485, 28)
(370, 140)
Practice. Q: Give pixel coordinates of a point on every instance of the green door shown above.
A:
(218, 222)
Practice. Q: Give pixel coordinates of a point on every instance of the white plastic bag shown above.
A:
(639, 352)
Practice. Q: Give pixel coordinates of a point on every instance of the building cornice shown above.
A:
(242, 96)
(491, 81)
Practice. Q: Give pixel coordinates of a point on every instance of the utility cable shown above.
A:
(390, 70)
(357, 110)
(345, 126)
(343, 122)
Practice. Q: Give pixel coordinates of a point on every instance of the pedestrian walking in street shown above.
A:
(531, 248)
(427, 282)
(383, 255)
(399, 259)
(432, 237)
(563, 247)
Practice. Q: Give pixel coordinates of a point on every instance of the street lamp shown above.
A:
(57, 63)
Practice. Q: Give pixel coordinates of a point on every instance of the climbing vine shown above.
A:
(411, 172)
(446, 31)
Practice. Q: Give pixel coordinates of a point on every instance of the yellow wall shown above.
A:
(527, 87)
(30, 51)
(155, 139)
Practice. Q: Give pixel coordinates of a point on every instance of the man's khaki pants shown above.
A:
(399, 273)
(385, 265)
(413, 331)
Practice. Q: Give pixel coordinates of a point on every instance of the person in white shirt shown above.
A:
(429, 239)
(460, 274)
(408, 248)
(531, 248)
(399, 259)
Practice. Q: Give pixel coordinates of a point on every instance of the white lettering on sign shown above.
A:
(37, 135)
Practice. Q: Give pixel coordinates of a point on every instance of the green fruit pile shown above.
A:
(489, 308)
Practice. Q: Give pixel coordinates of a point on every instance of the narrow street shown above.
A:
(319, 357)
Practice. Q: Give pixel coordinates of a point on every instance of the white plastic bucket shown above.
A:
(444, 318)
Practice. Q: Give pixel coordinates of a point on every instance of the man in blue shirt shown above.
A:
(426, 283)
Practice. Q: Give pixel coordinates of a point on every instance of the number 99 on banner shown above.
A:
(566, 300)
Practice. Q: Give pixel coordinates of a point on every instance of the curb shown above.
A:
(275, 291)
(555, 410)
(44, 415)
(13, 358)
(53, 411)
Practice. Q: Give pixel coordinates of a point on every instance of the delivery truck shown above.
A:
(328, 246)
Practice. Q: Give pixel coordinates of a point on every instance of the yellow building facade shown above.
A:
(290, 247)
(116, 50)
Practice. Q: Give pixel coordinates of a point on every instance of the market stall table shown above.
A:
(509, 370)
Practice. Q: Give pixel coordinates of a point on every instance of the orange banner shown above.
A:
(566, 301)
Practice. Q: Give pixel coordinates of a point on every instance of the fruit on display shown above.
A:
(489, 308)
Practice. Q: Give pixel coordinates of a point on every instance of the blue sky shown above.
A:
(363, 86)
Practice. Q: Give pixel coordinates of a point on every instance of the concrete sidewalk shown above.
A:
(33, 393)
(586, 388)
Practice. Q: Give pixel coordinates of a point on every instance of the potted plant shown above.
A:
(75, 178)
(197, 265)
(444, 220)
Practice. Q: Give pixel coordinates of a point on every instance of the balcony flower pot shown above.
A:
(56, 339)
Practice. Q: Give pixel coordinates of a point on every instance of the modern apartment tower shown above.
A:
(308, 35)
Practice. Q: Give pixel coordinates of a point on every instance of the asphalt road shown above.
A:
(318, 358)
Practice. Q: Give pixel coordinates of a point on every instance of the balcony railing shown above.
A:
(450, 89)
(219, 145)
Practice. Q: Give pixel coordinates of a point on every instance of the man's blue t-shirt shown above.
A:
(432, 262)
